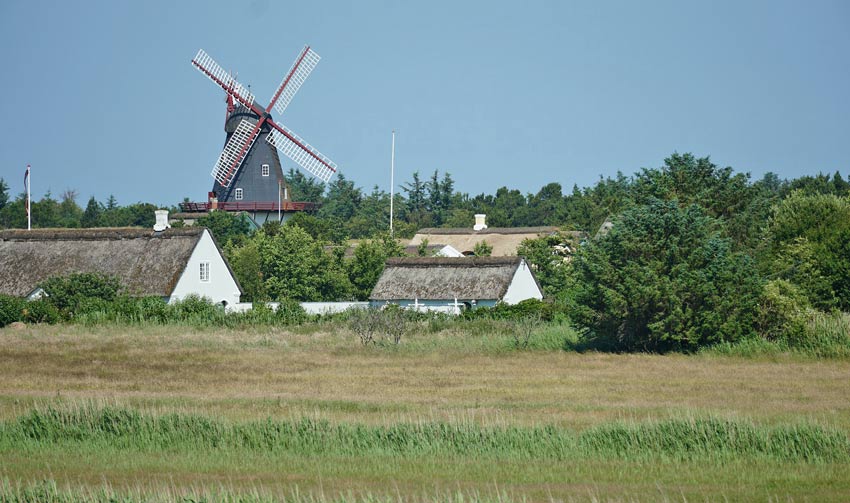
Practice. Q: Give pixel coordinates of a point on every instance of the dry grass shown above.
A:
(256, 374)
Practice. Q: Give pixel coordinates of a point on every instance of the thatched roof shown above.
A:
(144, 261)
(504, 240)
(441, 278)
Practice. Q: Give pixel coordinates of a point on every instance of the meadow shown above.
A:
(307, 413)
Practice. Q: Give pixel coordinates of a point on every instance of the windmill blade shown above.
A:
(296, 76)
(206, 65)
(299, 151)
(234, 152)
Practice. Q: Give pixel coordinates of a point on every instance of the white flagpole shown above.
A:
(278, 200)
(392, 182)
(29, 206)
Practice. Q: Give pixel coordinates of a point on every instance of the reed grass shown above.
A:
(677, 439)
(51, 492)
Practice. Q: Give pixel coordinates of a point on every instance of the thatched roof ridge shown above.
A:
(489, 230)
(96, 233)
(465, 262)
(145, 262)
(446, 278)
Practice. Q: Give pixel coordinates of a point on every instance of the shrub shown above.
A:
(10, 309)
(73, 293)
(290, 312)
(41, 311)
(781, 311)
(663, 279)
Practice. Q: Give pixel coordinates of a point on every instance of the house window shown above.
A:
(265, 170)
(205, 272)
(238, 195)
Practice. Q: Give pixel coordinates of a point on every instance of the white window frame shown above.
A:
(265, 170)
(237, 195)
(205, 272)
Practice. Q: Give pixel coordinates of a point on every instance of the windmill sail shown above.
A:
(302, 153)
(234, 152)
(294, 78)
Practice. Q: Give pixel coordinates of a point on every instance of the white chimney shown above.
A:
(161, 221)
(479, 222)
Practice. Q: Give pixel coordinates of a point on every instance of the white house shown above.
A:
(169, 263)
(441, 283)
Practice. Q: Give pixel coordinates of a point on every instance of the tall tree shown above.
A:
(663, 279)
(4, 193)
(302, 188)
(92, 213)
(416, 211)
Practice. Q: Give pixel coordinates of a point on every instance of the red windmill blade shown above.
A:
(242, 140)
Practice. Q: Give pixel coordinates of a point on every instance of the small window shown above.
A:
(265, 170)
(205, 272)
(238, 195)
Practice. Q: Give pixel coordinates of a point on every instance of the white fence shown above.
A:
(309, 307)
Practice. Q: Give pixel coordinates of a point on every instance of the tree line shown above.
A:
(694, 254)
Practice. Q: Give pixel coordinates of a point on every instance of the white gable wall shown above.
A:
(221, 286)
(522, 286)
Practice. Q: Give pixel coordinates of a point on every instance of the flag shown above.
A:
(27, 188)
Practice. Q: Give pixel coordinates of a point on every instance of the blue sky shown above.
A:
(101, 97)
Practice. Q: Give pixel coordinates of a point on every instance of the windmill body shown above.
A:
(258, 179)
(248, 174)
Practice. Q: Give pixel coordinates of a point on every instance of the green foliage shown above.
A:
(92, 214)
(663, 279)
(4, 193)
(526, 309)
(782, 311)
(290, 312)
(247, 267)
(76, 292)
(294, 265)
(303, 188)
(11, 309)
(809, 244)
(482, 249)
(41, 311)
(681, 439)
(367, 264)
(548, 257)
(225, 226)
(320, 229)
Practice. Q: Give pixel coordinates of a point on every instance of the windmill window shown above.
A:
(205, 272)
(238, 195)
(265, 170)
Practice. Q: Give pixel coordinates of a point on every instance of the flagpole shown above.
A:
(29, 208)
(392, 183)
(278, 199)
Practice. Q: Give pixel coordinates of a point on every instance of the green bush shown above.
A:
(782, 311)
(41, 311)
(664, 278)
(529, 308)
(80, 292)
(10, 309)
(290, 312)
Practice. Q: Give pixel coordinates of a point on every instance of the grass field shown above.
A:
(165, 412)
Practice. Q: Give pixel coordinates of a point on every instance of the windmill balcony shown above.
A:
(250, 206)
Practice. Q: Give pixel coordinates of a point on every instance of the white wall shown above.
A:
(221, 286)
(522, 286)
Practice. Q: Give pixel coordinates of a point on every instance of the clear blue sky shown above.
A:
(101, 97)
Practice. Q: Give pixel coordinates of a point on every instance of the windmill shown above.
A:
(248, 173)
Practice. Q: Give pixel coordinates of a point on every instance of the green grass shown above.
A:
(694, 439)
